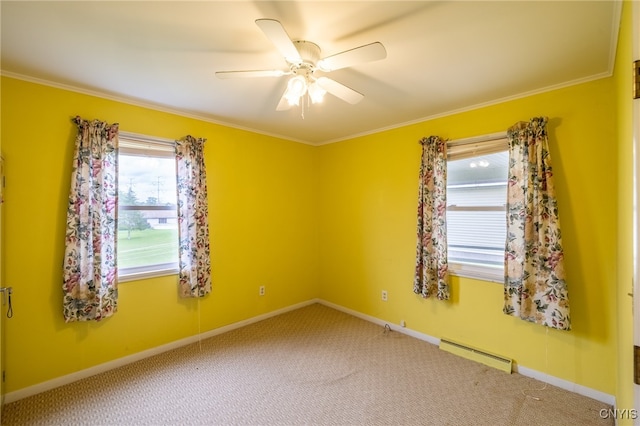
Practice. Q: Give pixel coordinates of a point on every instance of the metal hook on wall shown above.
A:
(6, 296)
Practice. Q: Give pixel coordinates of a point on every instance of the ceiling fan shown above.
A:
(303, 58)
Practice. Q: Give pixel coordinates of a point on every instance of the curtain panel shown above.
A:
(432, 268)
(535, 289)
(193, 221)
(89, 270)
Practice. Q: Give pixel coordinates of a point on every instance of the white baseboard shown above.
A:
(70, 378)
(394, 327)
(567, 385)
(543, 377)
(101, 368)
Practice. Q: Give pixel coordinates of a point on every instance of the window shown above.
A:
(147, 208)
(476, 207)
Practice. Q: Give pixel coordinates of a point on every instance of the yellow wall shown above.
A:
(262, 216)
(368, 200)
(622, 80)
(2, 283)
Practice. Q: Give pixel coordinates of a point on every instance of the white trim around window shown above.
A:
(466, 148)
(135, 274)
(134, 145)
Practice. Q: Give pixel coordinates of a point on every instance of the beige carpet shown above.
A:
(314, 365)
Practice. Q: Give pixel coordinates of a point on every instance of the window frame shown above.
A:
(468, 148)
(156, 147)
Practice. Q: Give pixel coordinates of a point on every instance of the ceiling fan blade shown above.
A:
(276, 33)
(340, 90)
(251, 74)
(367, 53)
(284, 104)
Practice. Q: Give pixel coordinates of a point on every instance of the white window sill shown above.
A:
(480, 272)
(147, 274)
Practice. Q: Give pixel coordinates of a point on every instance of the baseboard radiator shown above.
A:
(486, 358)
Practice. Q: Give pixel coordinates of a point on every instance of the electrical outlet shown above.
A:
(261, 290)
(403, 323)
(384, 295)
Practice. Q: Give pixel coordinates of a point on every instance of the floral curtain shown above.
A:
(431, 275)
(535, 288)
(193, 222)
(90, 272)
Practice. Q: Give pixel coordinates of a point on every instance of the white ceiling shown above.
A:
(441, 56)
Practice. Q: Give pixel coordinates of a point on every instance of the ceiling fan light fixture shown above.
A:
(316, 93)
(293, 101)
(296, 88)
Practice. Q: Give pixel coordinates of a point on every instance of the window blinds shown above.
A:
(132, 144)
(473, 147)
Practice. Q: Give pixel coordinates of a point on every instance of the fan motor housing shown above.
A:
(309, 52)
